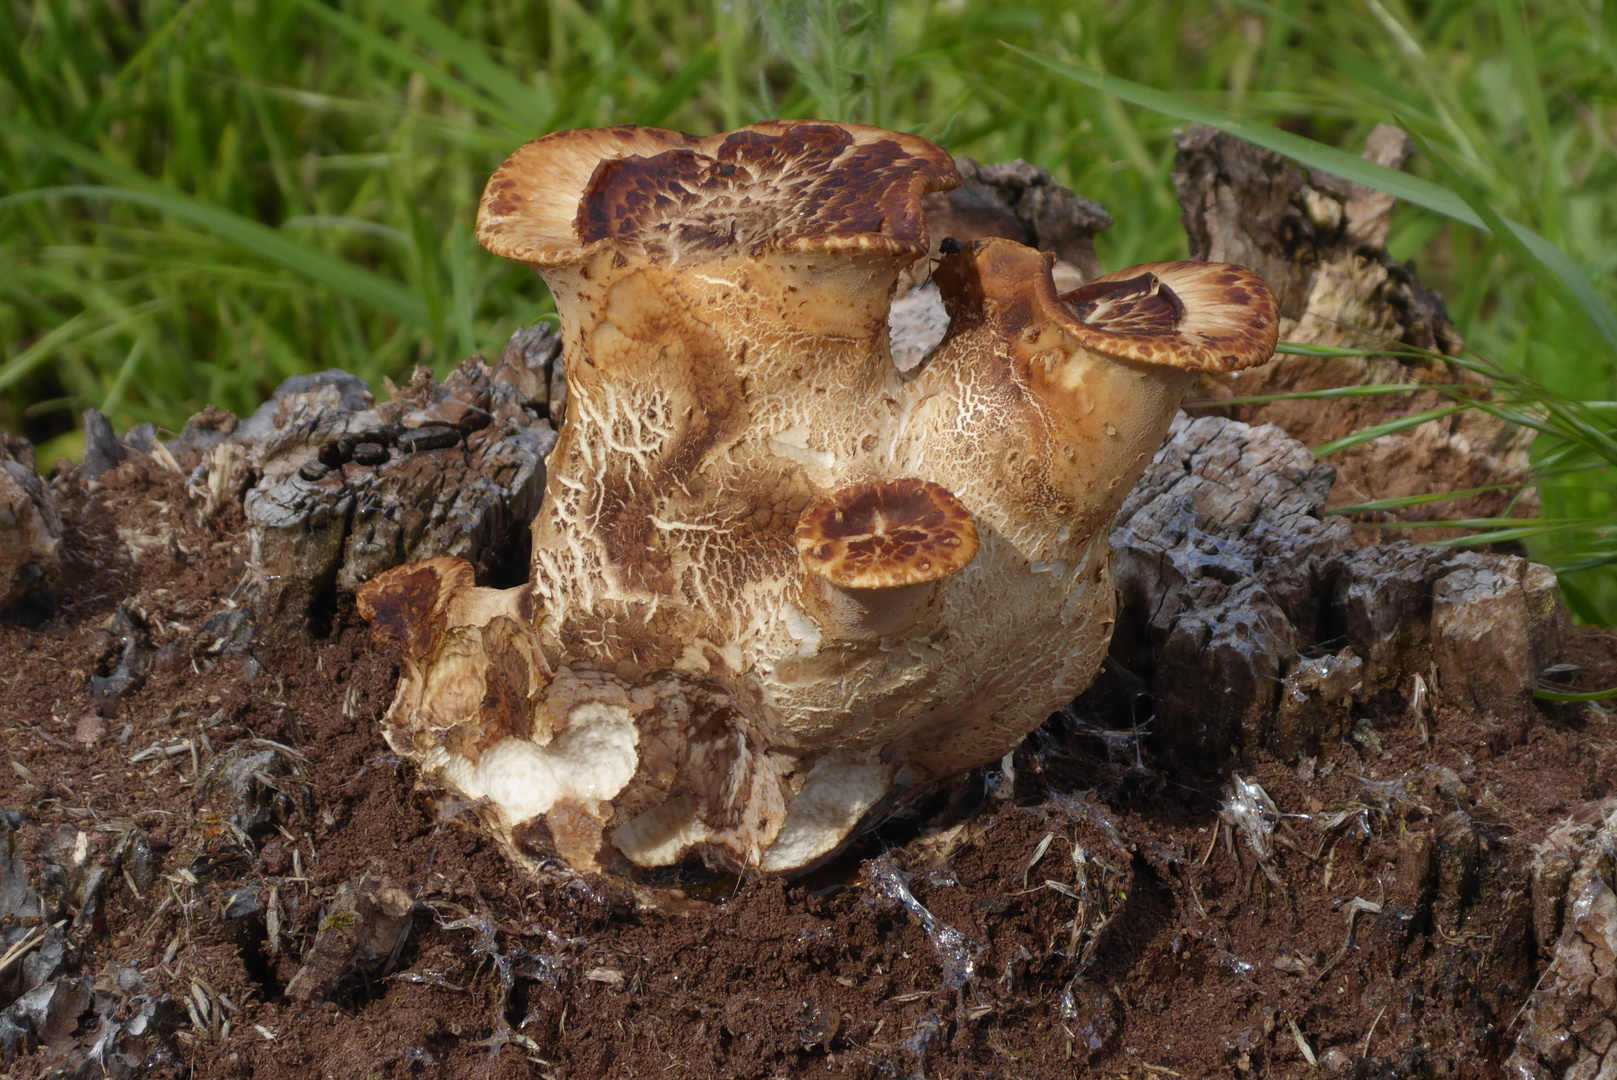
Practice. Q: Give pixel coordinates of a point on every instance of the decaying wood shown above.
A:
(1319, 242)
(1231, 577)
(361, 930)
(30, 527)
(1569, 1027)
(347, 488)
(1019, 202)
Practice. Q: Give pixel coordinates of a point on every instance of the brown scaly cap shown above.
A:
(884, 535)
(776, 186)
(1195, 316)
(1187, 315)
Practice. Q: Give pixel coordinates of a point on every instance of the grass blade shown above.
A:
(15, 71)
(126, 371)
(1404, 502)
(529, 106)
(407, 60)
(1369, 434)
(78, 328)
(1570, 697)
(338, 274)
(680, 88)
(1331, 394)
(1502, 232)
(1347, 166)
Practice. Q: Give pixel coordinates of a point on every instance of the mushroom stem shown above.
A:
(673, 368)
(877, 555)
(852, 617)
(763, 316)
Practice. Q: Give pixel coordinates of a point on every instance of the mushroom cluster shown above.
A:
(775, 581)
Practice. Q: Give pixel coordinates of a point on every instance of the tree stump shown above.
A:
(1319, 242)
(347, 488)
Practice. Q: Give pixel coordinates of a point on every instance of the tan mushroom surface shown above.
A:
(776, 583)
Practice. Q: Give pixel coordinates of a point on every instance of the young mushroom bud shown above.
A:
(883, 536)
(774, 580)
(876, 548)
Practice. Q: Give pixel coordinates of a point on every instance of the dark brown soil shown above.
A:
(1101, 918)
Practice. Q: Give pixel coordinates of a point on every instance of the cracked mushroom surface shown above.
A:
(776, 582)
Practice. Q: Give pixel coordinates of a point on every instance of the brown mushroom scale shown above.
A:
(775, 581)
(698, 203)
(1140, 305)
(875, 536)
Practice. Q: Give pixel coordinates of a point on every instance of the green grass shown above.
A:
(199, 199)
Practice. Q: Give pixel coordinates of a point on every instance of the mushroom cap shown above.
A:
(1188, 315)
(806, 185)
(886, 535)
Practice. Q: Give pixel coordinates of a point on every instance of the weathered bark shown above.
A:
(361, 931)
(1569, 1028)
(1232, 578)
(1319, 243)
(30, 527)
(1221, 561)
(347, 488)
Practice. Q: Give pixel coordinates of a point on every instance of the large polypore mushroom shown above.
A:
(774, 580)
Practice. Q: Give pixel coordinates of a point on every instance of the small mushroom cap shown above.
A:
(885, 535)
(1188, 315)
(662, 195)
